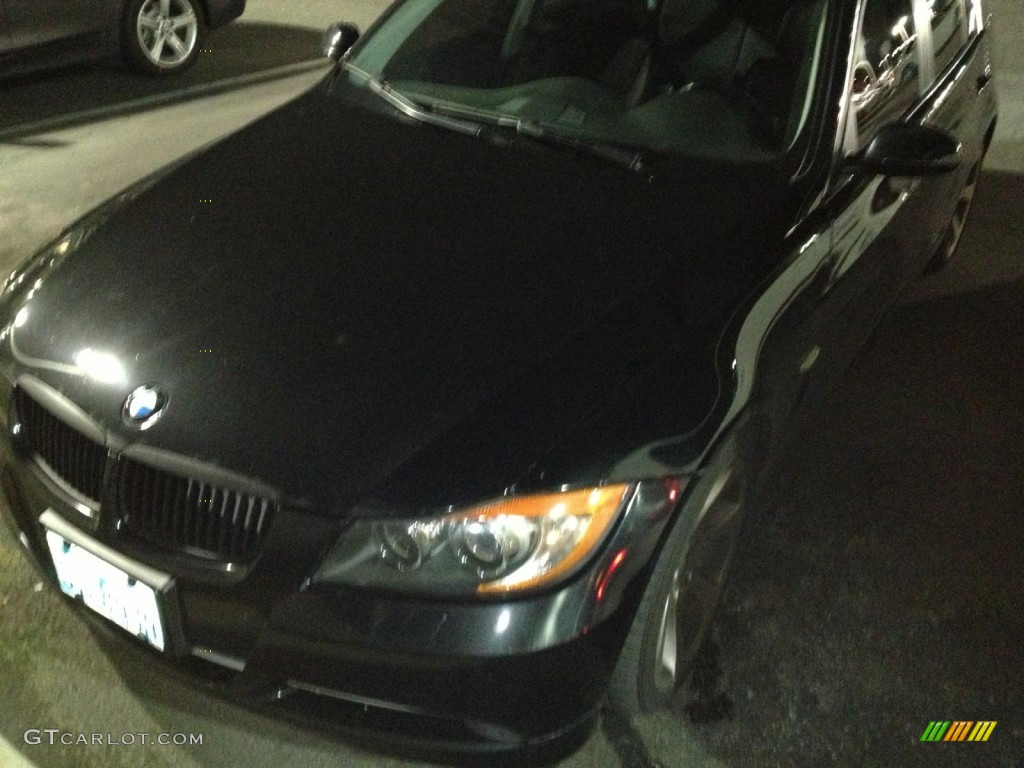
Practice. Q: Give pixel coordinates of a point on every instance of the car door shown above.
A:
(886, 228)
(921, 62)
(33, 23)
(872, 232)
(959, 99)
(883, 219)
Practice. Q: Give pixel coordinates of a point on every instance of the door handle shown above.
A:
(984, 79)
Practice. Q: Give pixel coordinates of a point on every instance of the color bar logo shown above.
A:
(958, 730)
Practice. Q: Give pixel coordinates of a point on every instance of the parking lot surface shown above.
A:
(879, 591)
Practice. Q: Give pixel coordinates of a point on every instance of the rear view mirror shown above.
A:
(338, 39)
(899, 149)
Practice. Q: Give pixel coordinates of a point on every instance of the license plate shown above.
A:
(110, 591)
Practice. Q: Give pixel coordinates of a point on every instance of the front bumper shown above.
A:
(442, 674)
(356, 661)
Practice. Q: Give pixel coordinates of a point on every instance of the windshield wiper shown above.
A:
(621, 153)
(474, 121)
(410, 108)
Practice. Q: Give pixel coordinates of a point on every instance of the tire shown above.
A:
(162, 37)
(675, 612)
(954, 233)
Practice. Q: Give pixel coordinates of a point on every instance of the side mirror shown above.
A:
(338, 39)
(899, 149)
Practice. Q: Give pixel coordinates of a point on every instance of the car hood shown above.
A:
(353, 307)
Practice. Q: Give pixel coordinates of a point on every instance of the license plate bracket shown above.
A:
(127, 593)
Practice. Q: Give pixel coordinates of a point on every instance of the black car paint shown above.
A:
(43, 33)
(877, 235)
(648, 399)
(627, 303)
(38, 22)
(608, 328)
(394, 346)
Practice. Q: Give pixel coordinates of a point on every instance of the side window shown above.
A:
(886, 79)
(949, 31)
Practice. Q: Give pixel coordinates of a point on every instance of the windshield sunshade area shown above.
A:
(722, 79)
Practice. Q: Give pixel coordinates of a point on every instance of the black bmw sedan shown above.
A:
(438, 405)
(154, 37)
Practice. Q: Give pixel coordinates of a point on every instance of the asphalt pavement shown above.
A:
(879, 590)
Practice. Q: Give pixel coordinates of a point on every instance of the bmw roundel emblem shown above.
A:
(143, 406)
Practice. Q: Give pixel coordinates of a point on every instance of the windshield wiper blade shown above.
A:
(410, 108)
(474, 121)
(490, 116)
(624, 154)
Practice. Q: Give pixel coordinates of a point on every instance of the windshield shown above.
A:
(728, 79)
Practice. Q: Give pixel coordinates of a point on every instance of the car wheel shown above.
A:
(955, 231)
(160, 37)
(675, 612)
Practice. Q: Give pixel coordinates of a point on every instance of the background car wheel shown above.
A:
(675, 613)
(955, 231)
(160, 37)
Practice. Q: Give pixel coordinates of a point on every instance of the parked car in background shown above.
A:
(155, 37)
(437, 404)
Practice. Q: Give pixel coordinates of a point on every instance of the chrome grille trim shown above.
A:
(68, 457)
(166, 500)
(189, 514)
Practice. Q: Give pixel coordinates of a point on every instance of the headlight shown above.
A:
(507, 545)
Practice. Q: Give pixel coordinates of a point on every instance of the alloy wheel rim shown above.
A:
(955, 231)
(685, 616)
(167, 31)
(666, 653)
(690, 603)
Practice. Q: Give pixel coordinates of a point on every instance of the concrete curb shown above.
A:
(160, 100)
